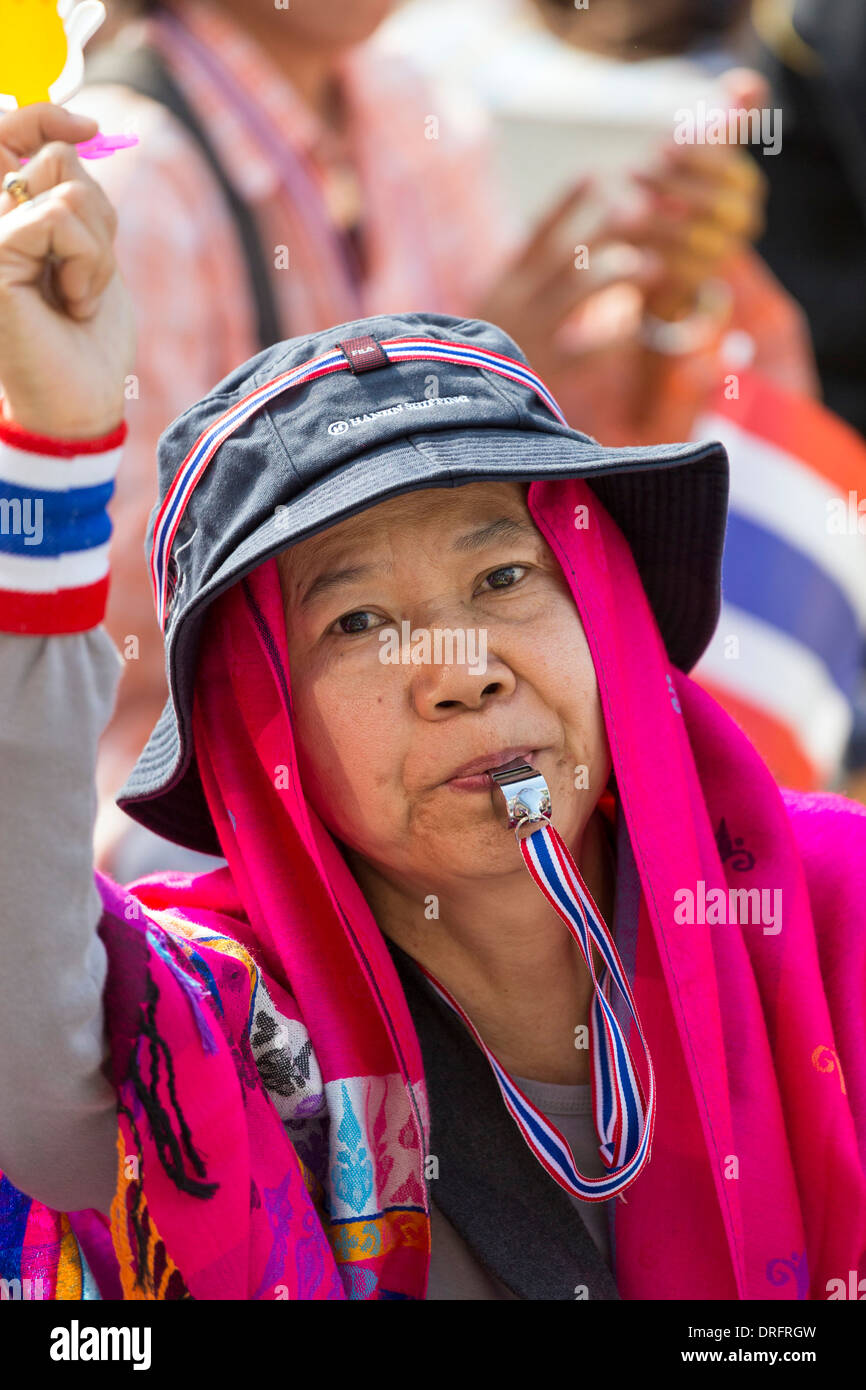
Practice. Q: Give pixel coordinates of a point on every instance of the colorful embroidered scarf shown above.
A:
(273, 1126)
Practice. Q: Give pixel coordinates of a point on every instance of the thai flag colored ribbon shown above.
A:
(624, 1118)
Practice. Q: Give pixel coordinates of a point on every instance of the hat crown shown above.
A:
(292, 353)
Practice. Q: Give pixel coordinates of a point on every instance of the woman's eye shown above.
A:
(355, 622)
(506, 577)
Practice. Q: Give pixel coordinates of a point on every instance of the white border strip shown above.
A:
(780, 492)
(39, 575)
(49, 473)
(783, 678)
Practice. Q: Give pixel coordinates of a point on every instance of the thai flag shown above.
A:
(787, 657)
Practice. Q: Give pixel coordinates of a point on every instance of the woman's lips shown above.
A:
(482, 781)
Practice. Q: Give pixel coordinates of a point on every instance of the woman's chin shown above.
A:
(476, 844)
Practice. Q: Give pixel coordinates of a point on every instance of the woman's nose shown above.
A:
(466, 675)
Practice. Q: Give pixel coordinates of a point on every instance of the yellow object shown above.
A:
(41, 48)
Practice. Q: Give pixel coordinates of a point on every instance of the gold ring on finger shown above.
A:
(15, 184)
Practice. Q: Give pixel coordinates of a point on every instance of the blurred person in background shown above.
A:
(601, 73)
(604, 88)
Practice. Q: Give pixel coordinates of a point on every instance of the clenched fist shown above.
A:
(67, 336)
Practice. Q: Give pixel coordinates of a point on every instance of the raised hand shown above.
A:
(67, 337)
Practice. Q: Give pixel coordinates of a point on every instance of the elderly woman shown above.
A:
(523, 978)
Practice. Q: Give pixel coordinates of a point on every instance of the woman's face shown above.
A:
(434, 630)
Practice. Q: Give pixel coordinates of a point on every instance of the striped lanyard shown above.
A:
(624, 1120)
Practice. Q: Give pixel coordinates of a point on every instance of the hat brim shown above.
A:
(670, 501)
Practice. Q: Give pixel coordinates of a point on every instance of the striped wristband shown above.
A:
(54, 529)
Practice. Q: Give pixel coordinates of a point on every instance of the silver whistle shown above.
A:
(527, 798)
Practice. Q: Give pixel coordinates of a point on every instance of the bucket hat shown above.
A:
(315, 429)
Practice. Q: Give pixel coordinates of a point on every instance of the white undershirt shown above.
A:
(455, 1273)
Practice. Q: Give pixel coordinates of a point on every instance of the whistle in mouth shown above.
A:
(527, 798)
